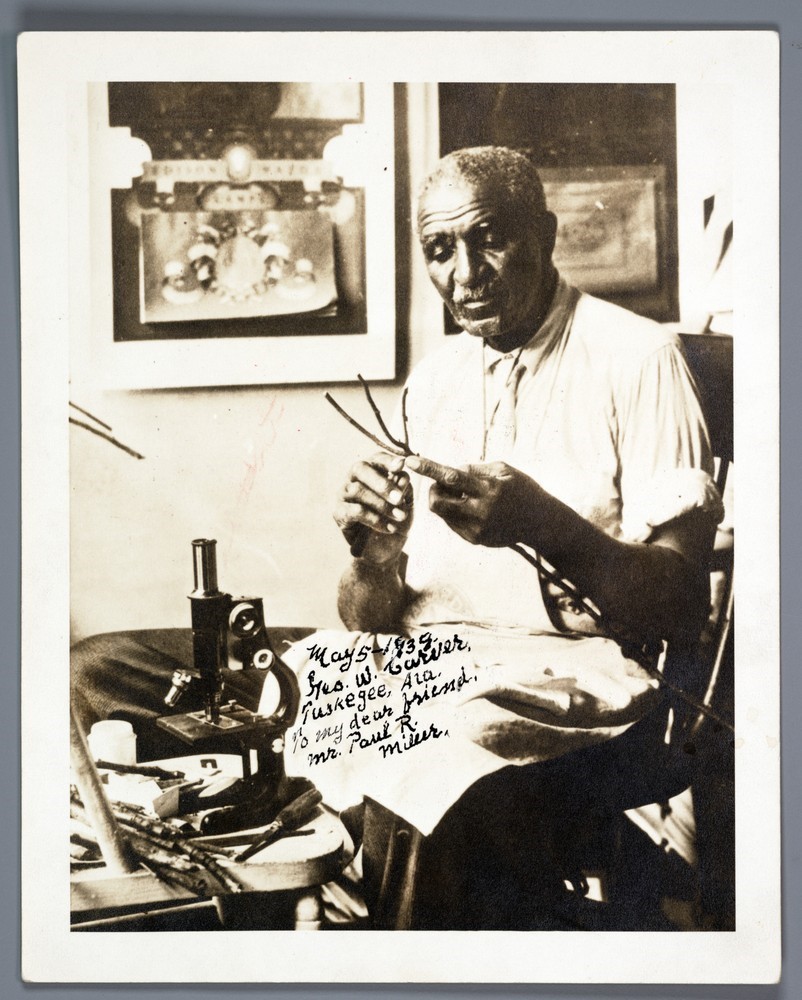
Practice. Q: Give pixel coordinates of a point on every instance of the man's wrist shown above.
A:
(367, 566)
(371, 595)
(533, 515)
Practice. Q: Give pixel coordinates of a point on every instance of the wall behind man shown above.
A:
(258, 468)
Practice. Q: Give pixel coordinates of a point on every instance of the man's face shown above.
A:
(488, 262)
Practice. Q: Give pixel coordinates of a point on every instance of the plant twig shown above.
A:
(380, 419)
(106, 437)
(392, 444)
(566, 587)
(157, 844)
(404, 418)
(165, 837)
(395, 449)
(632, 649)
(91, 416)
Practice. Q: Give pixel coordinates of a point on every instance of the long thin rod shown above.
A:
(363, 430)
(110, 838)
(106, 437)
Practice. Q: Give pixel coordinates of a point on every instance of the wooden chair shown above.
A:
(694, 751)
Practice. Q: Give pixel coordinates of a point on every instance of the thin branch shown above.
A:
(644, 661)
(564, 585)
(379, 418)
(396, 450)
(404, 418)
(106, 437)
(91, 416)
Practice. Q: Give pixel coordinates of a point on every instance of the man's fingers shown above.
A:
(390, 464)
(349, 514)
(385, 507)
(377, 496)
(454, 480)
(374, 479)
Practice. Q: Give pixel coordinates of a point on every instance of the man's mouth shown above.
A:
(479, 303)
(476, 308)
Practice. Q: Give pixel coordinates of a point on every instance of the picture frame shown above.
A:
(147, 220)
(612, 225)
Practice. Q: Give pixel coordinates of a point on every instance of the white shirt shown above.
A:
(607, 420)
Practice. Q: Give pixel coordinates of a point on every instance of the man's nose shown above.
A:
(467, 265)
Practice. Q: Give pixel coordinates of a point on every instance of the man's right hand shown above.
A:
(374, 510)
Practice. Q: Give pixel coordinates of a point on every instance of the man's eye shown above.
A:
(437, 252)
(490, 238)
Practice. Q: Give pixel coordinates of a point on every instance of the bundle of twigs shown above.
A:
(158, 847)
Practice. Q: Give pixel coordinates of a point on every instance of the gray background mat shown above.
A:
(784, 15)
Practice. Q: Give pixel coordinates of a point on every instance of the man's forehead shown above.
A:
(452, 198)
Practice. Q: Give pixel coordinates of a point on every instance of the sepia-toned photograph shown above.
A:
(398, 513)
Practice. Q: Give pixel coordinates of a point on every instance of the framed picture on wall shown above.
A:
(238, 232)
(611, 226)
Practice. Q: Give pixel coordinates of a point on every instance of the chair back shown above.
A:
(710, 359)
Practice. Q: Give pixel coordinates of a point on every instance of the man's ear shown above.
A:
(548, 233)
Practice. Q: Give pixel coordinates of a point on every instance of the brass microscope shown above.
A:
(230, 633)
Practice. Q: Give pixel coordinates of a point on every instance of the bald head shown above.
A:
(508, 175)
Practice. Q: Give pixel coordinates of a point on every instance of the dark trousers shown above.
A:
(501, 856)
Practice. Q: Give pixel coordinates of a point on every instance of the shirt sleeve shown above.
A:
(666, 463)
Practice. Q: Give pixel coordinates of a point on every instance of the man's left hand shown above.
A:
(484, 504)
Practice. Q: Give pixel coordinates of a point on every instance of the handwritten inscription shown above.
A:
(378, 699)
(407, 654)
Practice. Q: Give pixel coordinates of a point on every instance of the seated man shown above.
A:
(556, 431)
(556, 424)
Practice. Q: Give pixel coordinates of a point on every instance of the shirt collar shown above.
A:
(545, 338)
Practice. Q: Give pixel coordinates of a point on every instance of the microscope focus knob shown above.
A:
(263, 659)
(180, 682)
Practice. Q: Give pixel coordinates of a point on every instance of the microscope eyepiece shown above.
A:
(204, 564)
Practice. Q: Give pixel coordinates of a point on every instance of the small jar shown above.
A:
(113, 741)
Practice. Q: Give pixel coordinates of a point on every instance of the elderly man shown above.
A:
(557, 427)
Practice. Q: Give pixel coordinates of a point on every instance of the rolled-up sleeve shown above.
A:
(666, 462)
